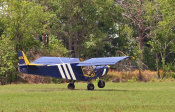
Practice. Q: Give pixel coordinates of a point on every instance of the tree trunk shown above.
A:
(70, 45)
(163, 65)
(163, 55)
(157, 66)
(44, 39)
(76, 47)
(140, 54)
(140, 60)
(140, 26)
(47, 40)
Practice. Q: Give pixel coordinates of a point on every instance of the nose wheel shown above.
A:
(90, 86)
(101, 84)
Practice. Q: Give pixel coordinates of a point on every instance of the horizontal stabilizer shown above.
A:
(102, 61)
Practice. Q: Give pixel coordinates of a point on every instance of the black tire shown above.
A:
(101, 84)
(90, 86)
(71, 86)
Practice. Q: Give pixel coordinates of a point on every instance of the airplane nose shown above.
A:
(132, 58)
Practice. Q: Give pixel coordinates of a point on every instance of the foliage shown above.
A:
(21, 29)
(22, 25)
(7, 59)
(54, 48)
(84, 26)
(163, 41)
(132, 75)
(144, 29)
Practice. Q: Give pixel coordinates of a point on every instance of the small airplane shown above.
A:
(71, 69)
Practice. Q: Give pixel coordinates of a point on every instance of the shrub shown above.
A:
(132, 76)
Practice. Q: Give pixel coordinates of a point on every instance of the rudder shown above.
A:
(22, 58)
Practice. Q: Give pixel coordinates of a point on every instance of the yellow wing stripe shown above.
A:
(36, 64)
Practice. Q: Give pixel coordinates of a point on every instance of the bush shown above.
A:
(56, 80)
(170, 74)
(132, 76)
(8, 61)
(173, 75)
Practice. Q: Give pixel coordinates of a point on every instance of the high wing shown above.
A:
(55, 60)
(44, 61)
(102, 61)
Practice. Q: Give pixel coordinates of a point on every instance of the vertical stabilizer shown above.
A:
(22, 58)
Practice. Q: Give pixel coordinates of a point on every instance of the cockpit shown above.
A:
(89, 71)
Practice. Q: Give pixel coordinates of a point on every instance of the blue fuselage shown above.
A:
(65, 71)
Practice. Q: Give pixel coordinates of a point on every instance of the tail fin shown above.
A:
(22, 58)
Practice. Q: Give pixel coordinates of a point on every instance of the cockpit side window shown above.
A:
(88, 70)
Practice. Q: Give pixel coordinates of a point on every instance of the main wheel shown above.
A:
(101, 84)
(90, 86)
(71, 86)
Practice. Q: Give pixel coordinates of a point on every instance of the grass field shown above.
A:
(115, 97)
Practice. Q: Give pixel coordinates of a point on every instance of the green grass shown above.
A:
(115, 97)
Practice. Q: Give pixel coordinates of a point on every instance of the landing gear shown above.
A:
(101, 84)
(71, 86)
(90, 86)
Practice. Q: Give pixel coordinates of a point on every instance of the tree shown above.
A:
(134, 12)
(22, 22)
(163, 42)
(22, 25)
(7, 54)
(83, 25)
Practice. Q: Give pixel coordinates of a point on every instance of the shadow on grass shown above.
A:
(112, 90)
(65, 89)
(48, 90)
